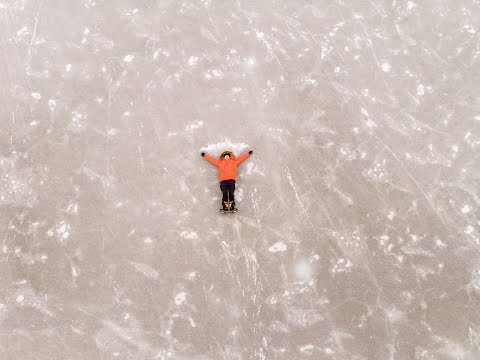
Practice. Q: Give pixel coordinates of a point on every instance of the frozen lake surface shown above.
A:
(358, 234)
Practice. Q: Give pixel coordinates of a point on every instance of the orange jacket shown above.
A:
(227, 167)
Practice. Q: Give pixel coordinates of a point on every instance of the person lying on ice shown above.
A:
(228, 175)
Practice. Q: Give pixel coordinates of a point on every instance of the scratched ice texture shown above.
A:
(358, 235)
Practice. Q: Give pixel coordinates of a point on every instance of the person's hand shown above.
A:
(203, 154)
(250, 152)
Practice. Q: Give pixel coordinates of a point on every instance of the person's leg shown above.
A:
(224, 188)
(231, 193)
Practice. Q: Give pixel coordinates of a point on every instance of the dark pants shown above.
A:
(228, 187)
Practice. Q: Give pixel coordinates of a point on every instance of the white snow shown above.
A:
(361, 194)
(420, 89)
(469, 230)
(189, 235)
(303, 271)
(180, 298)
(466, 209)
(193, 61)
(386, 67)
(279, 246)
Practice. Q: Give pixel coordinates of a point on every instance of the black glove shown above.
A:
(203, 154)
(250, 152)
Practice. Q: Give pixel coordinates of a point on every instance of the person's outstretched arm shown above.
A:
(210, 159)
(243, 157)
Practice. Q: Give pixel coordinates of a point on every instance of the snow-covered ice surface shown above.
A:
(358, 235)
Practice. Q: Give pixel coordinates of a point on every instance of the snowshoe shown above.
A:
(231, 211)
(228, 207)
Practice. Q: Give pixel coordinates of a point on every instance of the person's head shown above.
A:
(227, 155)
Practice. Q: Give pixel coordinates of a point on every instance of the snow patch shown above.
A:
(51, 104)
(148, 240)
(469, 28)
(190, 235)
(391, 215)
(278, 247)
(303, 271)
(22, 31)
(386, 67)
(306, 348)
(146, 270)
(180, 298)
(227, 144)
(440, 243)
(217, 73)
(72, 208)
(468, 230)
(411, 5)
(193, 61)
(128, 58)
(195, 125)
(62, 229)
(421, 89)
(466, 209)
(371, 123)
(393, 314)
